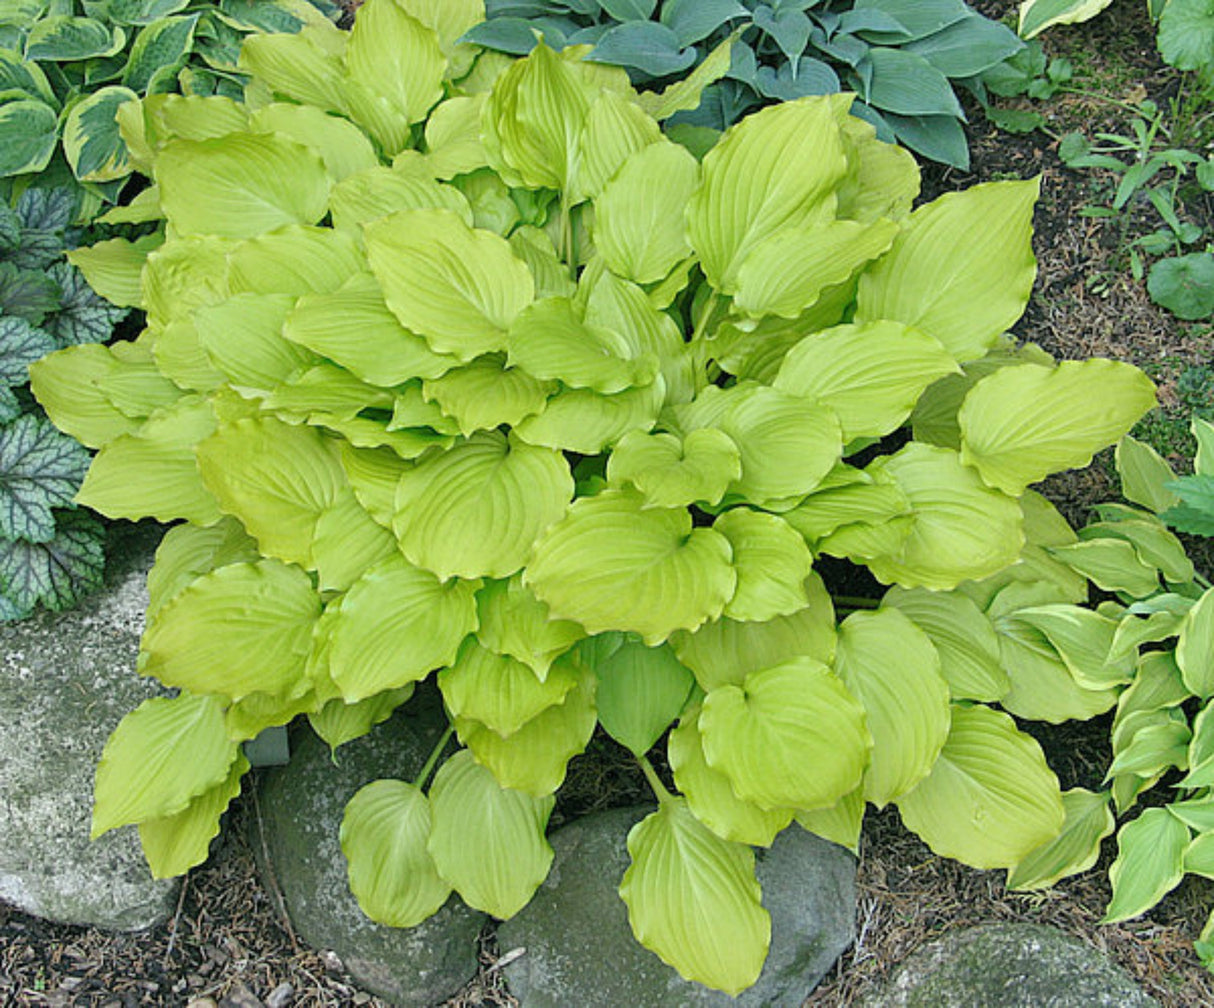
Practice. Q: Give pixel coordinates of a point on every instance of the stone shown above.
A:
(1008, 966)
(578, 948)
(66, 679)
(301, 807)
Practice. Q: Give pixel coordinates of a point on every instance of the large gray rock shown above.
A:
(1009, 966)
(301, 808)
(579, 948)
(66, 679)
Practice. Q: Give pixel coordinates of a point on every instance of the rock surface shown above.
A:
(579, 948)
(301, 808)
(66, 679)
(1009, 966)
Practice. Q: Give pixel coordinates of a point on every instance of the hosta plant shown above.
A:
(1148, 650)
(902, 57)
(50, 553)
(457, 369)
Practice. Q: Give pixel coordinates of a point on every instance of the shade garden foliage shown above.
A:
(456, 368)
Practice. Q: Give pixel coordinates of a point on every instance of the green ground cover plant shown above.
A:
(457, 369)
(901, 57)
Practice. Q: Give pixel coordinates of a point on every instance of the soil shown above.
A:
(229, 944)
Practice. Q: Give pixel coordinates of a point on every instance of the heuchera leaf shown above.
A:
(56, 573)
(40, 469)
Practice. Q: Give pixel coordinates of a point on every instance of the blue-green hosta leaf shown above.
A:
(513, 622)
(870, 374)
(772, 563)
(338, 722)
(91, 139)
(1195, 513)
(963, 637)
(907, 711)
(960, 270)
(501, 693)
(175, 844)
(20, 346)
(535, 758)
(40, 469)
(962, 528)
(459, 288)
(791, 736)
(29, 134)
(479, 509)
(990, 798)
(787, 272)
(710, 795)
(27, 295)
(396, 624)
(240, 629)
(1195, 648)
(57, 573)
(161, 755)
(1149, 863)
(641, 690)
(612, 564)
(726, 651)
(376, 192)
(749, 190)
(486, 393)
(1023, 423)
(487, 841)
(81, 316)
(1088, 821)
(693, 899)
(673, 472)
(276, 479)
(241, 185)
(189, 551)
(384, 833)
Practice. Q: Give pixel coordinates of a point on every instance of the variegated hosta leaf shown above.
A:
(384, 836)
(1088, 821)
(791, 736)
(1020, 424)
(161, 756)
(241, 629)
(693, 899)
(487, 841)
(891, 667)
(990, 799)
(612, 564)
(479, 509)
(396, 624)
(1149, 863)
(1195, 649)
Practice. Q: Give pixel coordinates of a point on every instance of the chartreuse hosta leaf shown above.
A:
(641, 690)
(613, 564)
(841, 823)
(174, 844)
(1195, 649)
(674, 472)
(487, 841)
(791, 736)
(587, 422)
(348, 541)
(1022, 423)
(342, 146)
(487, 393)
(294, 259)
(907, 712)
(514, 623)
(1149, 863)
(479, 509)
(710, 795)
(1088, 821)
(189, 551)
(870, 374)
(693, 899)
(338, 722)
(384, 837)
(376, 192)
(162, 755)
(398, 57)
(397, 623)
(990, 799)
(772, 564)
(960, 270)
(1143, 473)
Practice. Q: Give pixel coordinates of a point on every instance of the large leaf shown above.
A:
(961, 270)
(161, 755)
(990, 799)
(612, 564)
(29, 133)
(772, 564)
(1020, 424)
(641, 690)
(240, 185)
(674, 472)
(513, 622)
(459, 288)
(40, 469)
(790, 736)
(1144, 473)
(338, 722)
(907, 709)
(1088, 821)
(342, 146)
(1149, 863)
(189, 551)
(384, 833)
(749, 191)
(488, 842)
(91, 141)
(396, 624)
(396, 56)
(479, 509)
(693, 899)
(241, 629)
(62, 37)
(1195, 648)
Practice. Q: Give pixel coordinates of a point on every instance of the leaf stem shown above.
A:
(1201, 581)
(706, 313)
(420, 781)
(569, 240)
(655, 782)
(855, 602)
